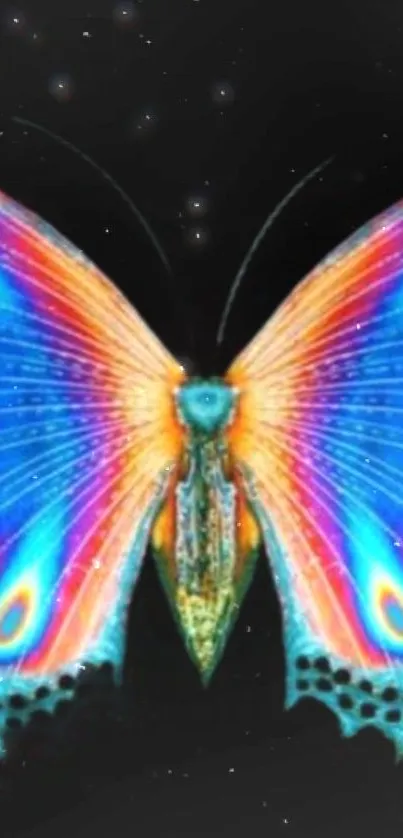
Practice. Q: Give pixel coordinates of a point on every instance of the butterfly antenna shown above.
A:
(109, 179)
(258, 240)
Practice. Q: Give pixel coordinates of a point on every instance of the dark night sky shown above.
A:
(227, 102)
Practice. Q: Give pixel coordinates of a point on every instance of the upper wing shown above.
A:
(318, 437)
(87, 440)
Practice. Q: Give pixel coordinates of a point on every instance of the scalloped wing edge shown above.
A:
(108, 648)
(312, 672)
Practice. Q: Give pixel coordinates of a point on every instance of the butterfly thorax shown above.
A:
(206, 592)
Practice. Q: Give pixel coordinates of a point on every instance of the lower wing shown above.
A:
(318, 439)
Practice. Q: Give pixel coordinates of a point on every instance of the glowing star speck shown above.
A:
(106, 445)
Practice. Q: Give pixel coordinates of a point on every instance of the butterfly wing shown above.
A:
(318, 439)
(87, 440)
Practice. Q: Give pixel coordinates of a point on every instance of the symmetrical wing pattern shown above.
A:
(101, 448)
(318, 439)
(88, 437)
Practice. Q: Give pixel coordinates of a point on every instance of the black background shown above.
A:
(301, 81)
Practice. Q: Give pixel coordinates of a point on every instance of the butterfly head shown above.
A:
(205, 406)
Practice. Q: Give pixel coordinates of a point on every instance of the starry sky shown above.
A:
(190, 122)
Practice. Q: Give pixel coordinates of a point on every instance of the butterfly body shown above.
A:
(208, 575)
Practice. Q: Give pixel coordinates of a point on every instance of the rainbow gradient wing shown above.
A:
(87, 441)
(318, 439)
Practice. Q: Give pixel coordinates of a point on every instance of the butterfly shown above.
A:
(108, 445)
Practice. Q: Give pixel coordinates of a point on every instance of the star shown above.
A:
(196, 206)
(125, 14)
(15, 22)
(197, 237)
(61, 87)
(223, 93)
(145, 122)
